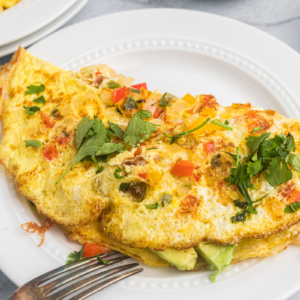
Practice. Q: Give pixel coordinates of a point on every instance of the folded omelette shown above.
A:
(149, 174)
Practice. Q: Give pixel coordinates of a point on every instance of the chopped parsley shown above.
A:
(40, 100)
(256, 129)
(75, 256)
(289, 209)
(176, 137)
(103, 262)
(34, 89)
(31, 110)
(270, 157)
(33, 143)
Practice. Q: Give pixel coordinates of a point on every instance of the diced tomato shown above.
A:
(97, 73)
(140, 85)
(158, 112)
(119, 94)
(183, 168)
(143, 175)
(138, 151)
(50, 152)
(209, 147)
(94, 249)
(294, 197)
(47, 121)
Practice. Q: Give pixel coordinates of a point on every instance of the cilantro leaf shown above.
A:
(278, 172)
(103, 262)
(273, 147)
(75, 256)
(31, 110)
(253, 142)
(89, 147)
(294, 160)
(255, 167)
(176, 137)
(115, 130)
(139, 130)
(240, 204)
(289, 209)
(231, 154)
(152, 206)
(33, 143)
(34, 89)
(256, 129)
(290, 143)
(40, 100)
(109, 148)
(82, 129)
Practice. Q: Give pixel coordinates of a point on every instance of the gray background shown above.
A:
(280, 18)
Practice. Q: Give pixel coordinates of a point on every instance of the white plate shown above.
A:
(177, 51)
(30, 39)
(29, 16)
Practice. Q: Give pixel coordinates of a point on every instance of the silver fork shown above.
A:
(64, 281)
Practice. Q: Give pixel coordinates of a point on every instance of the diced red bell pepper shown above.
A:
(143, 175)
(119, 94)
(93, 249)
(50, 152)
(140, 85)
(183, 168)
(209, 147)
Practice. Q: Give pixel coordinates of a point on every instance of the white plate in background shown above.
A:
(30, 39)
(178, 51)
(29, 16)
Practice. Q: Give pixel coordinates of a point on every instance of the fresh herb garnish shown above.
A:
(40, 100)
(186, 185)
(34, 89)
(115, 130)
(103, 262)
(109, 148)
(75, 256)
(152, 206)
(31, 110)
(33, 143)
(116, 173)
(291, 208)
(218, 123)
(139, 130)
(270, 157)
(176, 137)
(83, 128)
(256, 129)
(151, 148)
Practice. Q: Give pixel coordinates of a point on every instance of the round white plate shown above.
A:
(177, 51)
(30, 39)
(29, 16)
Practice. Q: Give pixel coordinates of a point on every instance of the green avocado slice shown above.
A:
(181, 259)
(218, 257)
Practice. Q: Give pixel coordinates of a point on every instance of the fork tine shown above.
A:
(73, 265)
(78, 273)
(104, 284)
(87, 281)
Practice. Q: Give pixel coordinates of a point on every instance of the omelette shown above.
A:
(147, 173)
